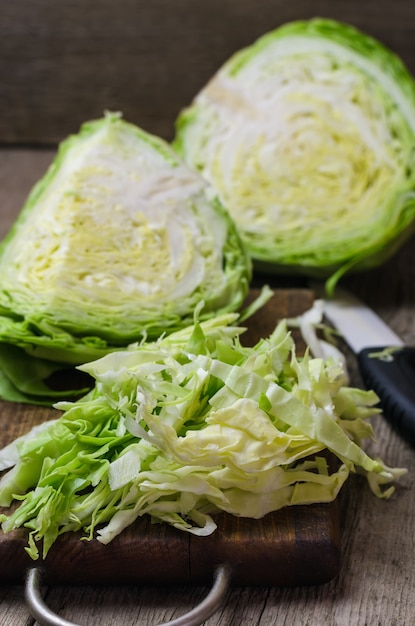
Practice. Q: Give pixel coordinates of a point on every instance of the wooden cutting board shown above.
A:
(294, 546)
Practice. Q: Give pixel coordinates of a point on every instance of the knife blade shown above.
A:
(386, 364)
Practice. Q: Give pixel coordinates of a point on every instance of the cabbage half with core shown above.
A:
(119, 240)
(309, 137)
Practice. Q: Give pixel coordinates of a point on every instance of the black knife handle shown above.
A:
(392, 377)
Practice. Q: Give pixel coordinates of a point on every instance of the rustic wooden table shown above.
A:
(377, 576)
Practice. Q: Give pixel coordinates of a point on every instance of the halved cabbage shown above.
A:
(309, 137)
(119, 240)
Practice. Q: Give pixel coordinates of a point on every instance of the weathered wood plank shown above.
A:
(62, 63)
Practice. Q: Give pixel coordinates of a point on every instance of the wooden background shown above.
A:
(65, 61)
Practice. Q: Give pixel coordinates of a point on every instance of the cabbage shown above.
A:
(186, 427)
(119, 240)
(308, 135)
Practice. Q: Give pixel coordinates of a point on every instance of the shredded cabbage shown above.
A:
(185, 427)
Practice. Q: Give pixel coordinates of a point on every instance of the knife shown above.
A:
(387, 365)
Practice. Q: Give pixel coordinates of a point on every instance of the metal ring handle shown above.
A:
(211, 603)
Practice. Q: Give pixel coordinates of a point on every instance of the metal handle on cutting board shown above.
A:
(211, 603)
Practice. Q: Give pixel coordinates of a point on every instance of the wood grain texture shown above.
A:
(63, 63)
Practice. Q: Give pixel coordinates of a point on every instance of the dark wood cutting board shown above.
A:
(294, 546)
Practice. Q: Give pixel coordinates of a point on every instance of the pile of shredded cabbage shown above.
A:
(187, 426)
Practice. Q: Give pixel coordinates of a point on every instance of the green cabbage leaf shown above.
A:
(308, 135)
(188, 426)
(120, 240)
